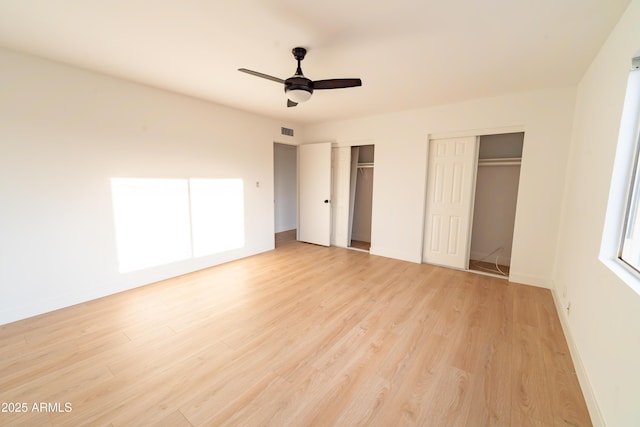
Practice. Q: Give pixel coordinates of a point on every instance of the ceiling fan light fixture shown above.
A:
(298, 88)
(299, 95)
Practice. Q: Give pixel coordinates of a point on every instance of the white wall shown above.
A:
(604, 320)
(64, 133)
(286, 187)
(400, 170)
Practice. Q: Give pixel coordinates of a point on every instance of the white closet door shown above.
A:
(450, 187)
(341, 166)
(314, 177)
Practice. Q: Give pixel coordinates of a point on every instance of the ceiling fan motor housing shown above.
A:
(298, 83)
(298, 88)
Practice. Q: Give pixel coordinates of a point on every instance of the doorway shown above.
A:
(361, 197)
(285, 192)
(472, 187)
(352, 196)
(496, 196)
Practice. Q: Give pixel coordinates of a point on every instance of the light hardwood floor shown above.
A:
(303, 335)
(365, 246)
(489, 267)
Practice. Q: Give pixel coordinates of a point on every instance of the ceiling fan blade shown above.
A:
(336, 83)
(290, 103)
(264, 76)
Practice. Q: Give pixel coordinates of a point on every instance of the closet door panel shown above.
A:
(340, 196)
(450, 184)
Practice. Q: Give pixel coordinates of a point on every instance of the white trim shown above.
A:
(621, 183)
(529, 280)
(354, 143)
(395, 254)
(477, 132)
(624, 272)
(132, 280)
(583, 379)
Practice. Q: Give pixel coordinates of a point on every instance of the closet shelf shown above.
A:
(511, 161)
(365, 165)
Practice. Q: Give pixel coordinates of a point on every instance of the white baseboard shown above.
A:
(127, 281)
(390, 253)
(581, 373)
(529, 280)
(286, 227)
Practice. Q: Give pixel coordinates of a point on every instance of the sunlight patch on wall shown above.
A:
(217, 215)
(159, 221)
(152, 222)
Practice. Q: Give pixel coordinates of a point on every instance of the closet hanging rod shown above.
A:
(500, 162)
(365, 165)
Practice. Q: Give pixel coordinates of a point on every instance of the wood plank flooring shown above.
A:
(489, 267)
(299, 336)
(359, 244)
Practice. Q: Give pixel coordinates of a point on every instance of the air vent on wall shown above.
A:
(286, 131)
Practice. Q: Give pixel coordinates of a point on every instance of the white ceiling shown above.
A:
(408, 53)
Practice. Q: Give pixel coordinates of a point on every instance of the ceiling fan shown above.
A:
(299, 88)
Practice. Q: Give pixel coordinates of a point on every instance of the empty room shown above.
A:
(336, 213)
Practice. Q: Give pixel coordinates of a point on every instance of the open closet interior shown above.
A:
(352, 195)
(494, 208)
(361, 196)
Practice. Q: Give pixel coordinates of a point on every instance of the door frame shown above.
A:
(460, 134)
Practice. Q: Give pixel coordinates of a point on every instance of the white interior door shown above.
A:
(450, 187)
(340, 165)
(314, 208)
